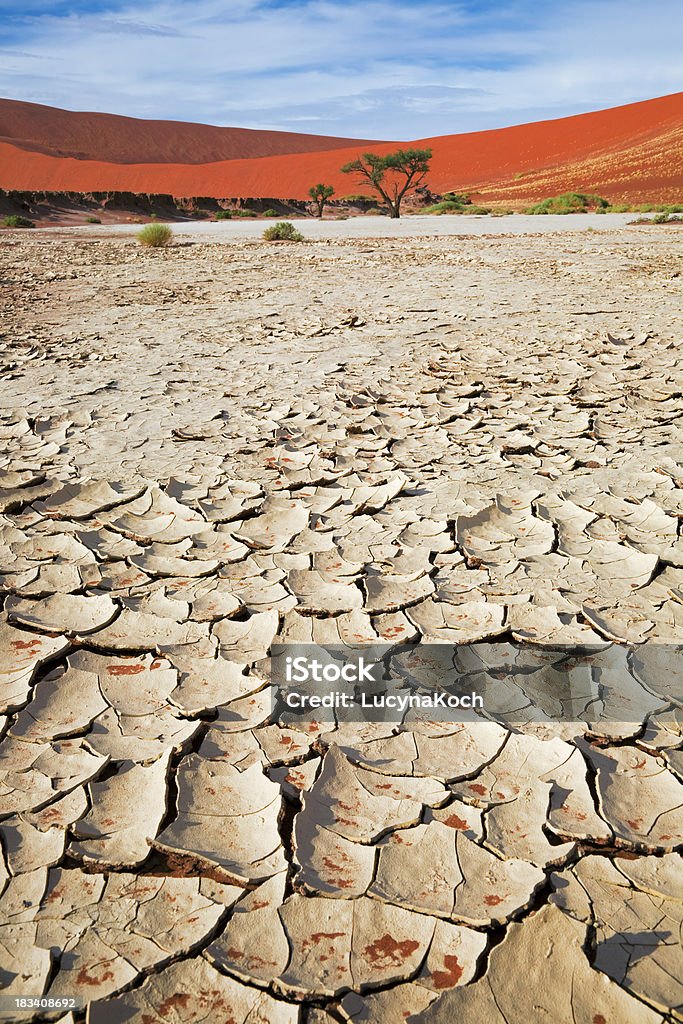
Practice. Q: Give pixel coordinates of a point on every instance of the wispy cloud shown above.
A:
(377, 69)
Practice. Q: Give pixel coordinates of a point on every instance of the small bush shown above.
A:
(223, 215)
(15, 221)
(270, 213)
(283, 231)
(93, 220)
(447, 206)
(152, 216)
(476, 210)
(155, 235)
(569, 202)
(243, 213)
(462, 198)
(357, 197)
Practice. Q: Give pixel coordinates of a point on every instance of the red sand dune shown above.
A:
(128, 140)
(629, 153)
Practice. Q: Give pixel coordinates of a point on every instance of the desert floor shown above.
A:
(219, 445)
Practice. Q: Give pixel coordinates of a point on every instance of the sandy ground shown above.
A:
(228, 443)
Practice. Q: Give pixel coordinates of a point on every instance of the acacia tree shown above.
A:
(392, 176)
(320, 194)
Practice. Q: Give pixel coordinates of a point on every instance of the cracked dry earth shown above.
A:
(214, 447)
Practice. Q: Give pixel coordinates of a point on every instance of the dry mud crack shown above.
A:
(212, 449)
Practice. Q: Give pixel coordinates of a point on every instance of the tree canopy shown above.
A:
(393, 175)
(320, 194)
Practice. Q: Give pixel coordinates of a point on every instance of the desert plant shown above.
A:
(93, 220)
(476, 210)
(569, 202)
(392, 176)
(357, 197)
(461, 198)
(283, 231)
(665, 218)
(15, 221)
(243, 213)
(320, 194)
(223, 215)
(270, 213)
(446, 206)
(155, 235)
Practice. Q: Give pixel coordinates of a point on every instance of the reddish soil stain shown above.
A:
(451, 976)
(477, 787)
(83, 978)
(388, 950)
(453, 821)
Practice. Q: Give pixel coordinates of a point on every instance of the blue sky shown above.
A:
(394, 69)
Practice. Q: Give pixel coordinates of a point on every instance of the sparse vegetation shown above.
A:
(270, 213)
(154, 236)
(659, 218)
(358, 198)
(243, 213)
(223, 215)
(569, 202)
(283, 231)
(320, 194)
(446, 206)
(15, 221)
(461, 198)
(392, 176)
(93, 220)
(450, 204)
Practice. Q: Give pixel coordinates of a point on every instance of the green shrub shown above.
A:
(93, 220)
(665, 218)
(152, 216)
(155, 235)
(15, 221)
(283, 231)
(243, 213)
(569, 202)
(270, 213)
(223, 215)
(477, 210)
(462, 198)
(447, 206)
